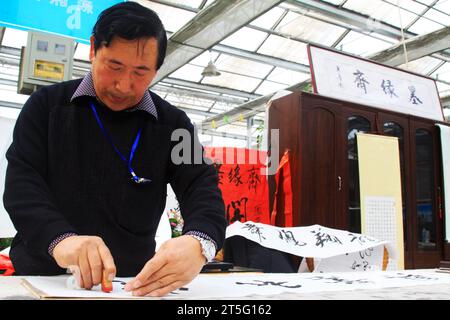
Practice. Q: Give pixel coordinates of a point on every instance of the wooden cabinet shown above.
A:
(318, 127)
(320, 133)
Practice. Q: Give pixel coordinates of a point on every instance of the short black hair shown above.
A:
(130, 21)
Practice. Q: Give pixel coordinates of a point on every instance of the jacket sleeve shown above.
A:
(27, 197)
(195, 184)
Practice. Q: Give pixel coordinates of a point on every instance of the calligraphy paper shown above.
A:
(371, 259)
(312, 241)
(381, 191)
(214, 286)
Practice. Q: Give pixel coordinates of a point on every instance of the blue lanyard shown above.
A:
(134, 177)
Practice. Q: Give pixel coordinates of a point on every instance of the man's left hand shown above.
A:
(176, 263)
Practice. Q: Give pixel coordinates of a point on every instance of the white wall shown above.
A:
(6, 128)
(164, 231)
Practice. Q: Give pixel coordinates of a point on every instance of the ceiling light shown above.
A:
(210, 70)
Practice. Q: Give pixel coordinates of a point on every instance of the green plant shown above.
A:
(308, 87)
(5, 243)
(259, 137)
(176, 221)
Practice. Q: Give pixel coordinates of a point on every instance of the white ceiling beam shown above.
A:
(210, 26)
(416, 48)
(257, 57)
(198, 94)
(424, 47)
(364, 23)
(353, 19)
(205, 87)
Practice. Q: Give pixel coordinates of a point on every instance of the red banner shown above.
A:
(6, 267)
(243, 183)
(285, 210)
(244, 186)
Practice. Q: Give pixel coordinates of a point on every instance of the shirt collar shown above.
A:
(86, 88)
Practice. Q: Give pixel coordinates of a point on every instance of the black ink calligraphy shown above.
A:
(413, 98)
(362, 239)
(217, 166)
(409, 276)
(239, 208)
(388, 88)
(364, 265)
(339, 77)
(261, 283)
(288, 237)
(322, 238)
(234, 176)
(253, 179)
(361, 82)
(253, 228)
(335, 279)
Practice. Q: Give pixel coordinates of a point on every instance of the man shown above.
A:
(89, 164)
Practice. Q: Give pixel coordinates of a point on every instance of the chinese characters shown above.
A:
(360, 81)
(387, 87)
(74, 11)
(253, 228)
(239, 210)
(234, 176)
(260, 283)
(322, 238)
(413, 98)
(288, 237)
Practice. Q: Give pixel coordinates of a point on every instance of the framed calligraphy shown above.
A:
(346, 77)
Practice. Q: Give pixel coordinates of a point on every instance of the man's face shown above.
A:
(123, 71)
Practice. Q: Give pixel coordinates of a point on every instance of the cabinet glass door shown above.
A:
(394, 129)
(426, 217)
(426, 228)
(355, 124)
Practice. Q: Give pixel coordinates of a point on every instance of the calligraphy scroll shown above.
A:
(381, 191)
(342, 76)
(312, 241)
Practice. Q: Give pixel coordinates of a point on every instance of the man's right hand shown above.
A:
(90, 254)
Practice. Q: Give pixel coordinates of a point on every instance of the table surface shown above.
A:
(12, 289)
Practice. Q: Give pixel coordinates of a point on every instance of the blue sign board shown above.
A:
(71, 18)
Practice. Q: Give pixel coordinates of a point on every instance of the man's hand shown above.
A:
(176, 263)
(90, 254)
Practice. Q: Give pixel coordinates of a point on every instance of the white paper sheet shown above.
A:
(313, 241)
(381, 220)
(370, 259)
(164, 231)
(211, 286)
